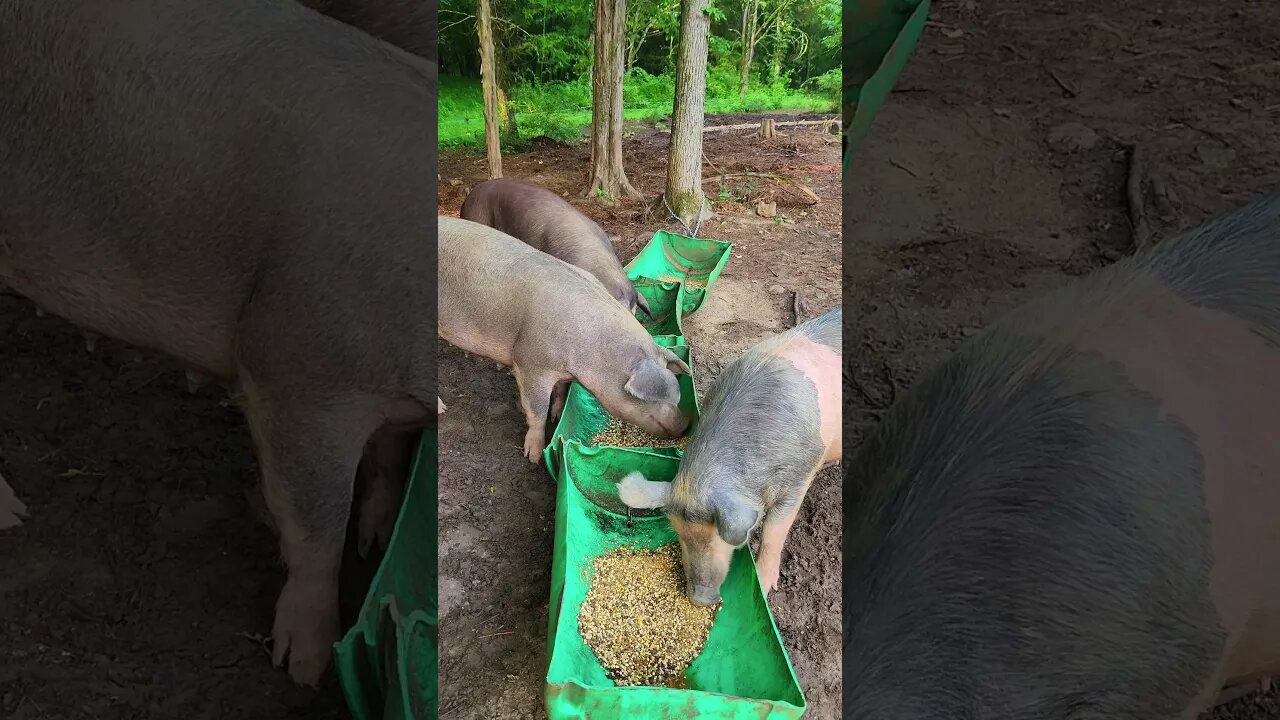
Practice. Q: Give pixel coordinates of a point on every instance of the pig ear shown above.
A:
(674, 363)
(735, 523)
(649, 383)
(641, 494)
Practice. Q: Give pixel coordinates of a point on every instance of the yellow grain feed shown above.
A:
(622, 434)
(637, 619)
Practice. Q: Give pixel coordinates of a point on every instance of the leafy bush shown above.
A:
(562, 111)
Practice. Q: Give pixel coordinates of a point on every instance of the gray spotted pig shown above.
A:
(769, 423)
(1074, 514)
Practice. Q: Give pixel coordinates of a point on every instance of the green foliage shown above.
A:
(562, 111)
(545, 55)
(549, 41)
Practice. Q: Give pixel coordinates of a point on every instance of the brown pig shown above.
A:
(544, 220)
(552, 323)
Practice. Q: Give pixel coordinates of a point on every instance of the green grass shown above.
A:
(563, 110)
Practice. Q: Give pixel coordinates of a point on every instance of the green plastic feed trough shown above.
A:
(879, 37)
(743, 671)
(674, 273)
(387, 663)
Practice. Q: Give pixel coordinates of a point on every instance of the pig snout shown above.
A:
(704, 595)
(704, 573)
(706, 557)
(631, 299)
(658, 419)
(668, 421)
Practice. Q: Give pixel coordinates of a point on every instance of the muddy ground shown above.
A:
(497, 510)
(998, 167)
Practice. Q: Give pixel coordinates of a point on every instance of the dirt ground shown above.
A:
(497, 510)
(144, 581)
(998, 167)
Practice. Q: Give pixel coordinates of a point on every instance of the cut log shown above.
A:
(757, 126)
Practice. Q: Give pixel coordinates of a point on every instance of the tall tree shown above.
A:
(753, 29)
(750, 15)
(684, 162)
(608, 179)
(489, 85)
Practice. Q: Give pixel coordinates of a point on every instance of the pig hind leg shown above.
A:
(773, 537)
(308, 449)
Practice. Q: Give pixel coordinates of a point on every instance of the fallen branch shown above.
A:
(767, 176)
(756, 125)
(1057, 79)
(796, 305)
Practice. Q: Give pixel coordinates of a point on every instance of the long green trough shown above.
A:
(743, 671)
(387, 663)
(879, 37)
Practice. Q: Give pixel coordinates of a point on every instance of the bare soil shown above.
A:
(998, 167)
(497, 510)
(143, 583)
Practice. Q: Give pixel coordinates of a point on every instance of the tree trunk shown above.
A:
(489, 85)
(779, 44)
(608, 179)
(750, 13)
(684, 162)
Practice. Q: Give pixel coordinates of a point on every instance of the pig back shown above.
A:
(1055, 498)
(494, 284)
(770, 419)
(407, 24)
(816, 352)
(545, 221)
(825, 329)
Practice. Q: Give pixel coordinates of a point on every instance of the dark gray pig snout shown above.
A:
(704, 595)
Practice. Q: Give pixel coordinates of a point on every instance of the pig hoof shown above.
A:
(91, 343)
(534, 445)
(441, 407)
(305, 631)
(39, 313)
(768, 579)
